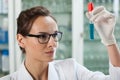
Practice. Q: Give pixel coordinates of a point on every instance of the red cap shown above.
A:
(90, 6)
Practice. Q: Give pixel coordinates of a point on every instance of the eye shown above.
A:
(43, 36)
(54, 35)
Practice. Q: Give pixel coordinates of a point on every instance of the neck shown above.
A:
(38, 70)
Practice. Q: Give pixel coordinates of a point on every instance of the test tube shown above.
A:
(91, 25)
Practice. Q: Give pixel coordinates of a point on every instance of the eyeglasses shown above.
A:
(45, 37)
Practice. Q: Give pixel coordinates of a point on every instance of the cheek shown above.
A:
(36, 51)
(33, 46)
(39, 47)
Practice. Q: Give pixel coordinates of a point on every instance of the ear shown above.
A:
(20, 40)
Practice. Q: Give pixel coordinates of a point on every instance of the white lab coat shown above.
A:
(67, 69)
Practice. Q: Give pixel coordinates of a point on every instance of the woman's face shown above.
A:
(34, 49)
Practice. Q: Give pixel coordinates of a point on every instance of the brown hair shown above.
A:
(27, 17)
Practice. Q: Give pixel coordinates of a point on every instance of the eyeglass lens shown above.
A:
(44, 37)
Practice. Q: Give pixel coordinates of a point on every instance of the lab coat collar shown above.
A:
(52, 73)
(23, 74)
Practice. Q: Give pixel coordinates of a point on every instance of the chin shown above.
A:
(50, 60)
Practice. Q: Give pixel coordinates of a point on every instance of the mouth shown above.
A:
(50, 53)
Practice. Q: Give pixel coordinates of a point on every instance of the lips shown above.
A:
(50, 53)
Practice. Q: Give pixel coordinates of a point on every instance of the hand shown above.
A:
(104, 23)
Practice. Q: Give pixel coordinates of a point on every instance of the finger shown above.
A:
(109, 15)
(94, 12)
(94, 17)
(98, 10)
(111, 19)
(106, 17)
(88, 15)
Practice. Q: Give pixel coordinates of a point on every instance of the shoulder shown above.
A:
(20, 74)
(66, 63)
(7, 77)
(69, 61)
(64, 60)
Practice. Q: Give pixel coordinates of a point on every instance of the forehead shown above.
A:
(44, 24)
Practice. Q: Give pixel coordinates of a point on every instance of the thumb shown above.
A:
(88, 15)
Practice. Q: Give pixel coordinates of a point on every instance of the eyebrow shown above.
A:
(47, 32)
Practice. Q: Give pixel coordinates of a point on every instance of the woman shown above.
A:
(38, 36)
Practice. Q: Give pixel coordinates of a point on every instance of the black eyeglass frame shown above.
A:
(37, 36)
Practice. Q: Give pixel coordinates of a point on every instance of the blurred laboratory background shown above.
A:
(72, 21)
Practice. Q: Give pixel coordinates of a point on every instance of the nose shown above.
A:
(52, 42)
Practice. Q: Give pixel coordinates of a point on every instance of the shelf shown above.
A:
(3, 46)
(3, 14)
(3, 74)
